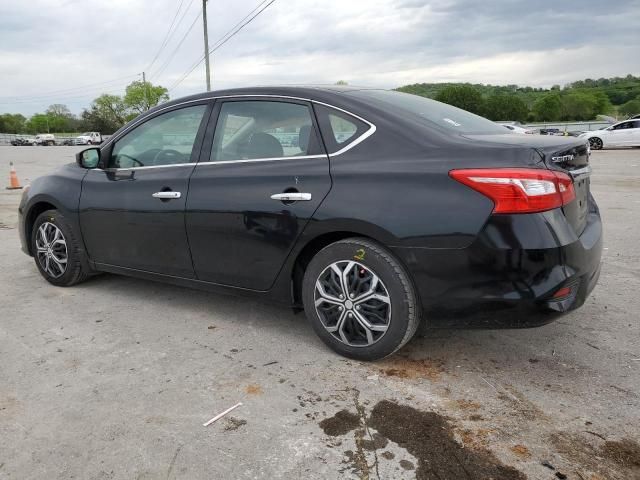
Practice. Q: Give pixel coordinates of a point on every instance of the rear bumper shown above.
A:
(508, 276)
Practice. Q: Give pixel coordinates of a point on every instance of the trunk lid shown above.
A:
(573, 159)
(566, 154)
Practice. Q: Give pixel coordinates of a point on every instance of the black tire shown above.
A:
(74, 272)
(373, 258)
(596, 143)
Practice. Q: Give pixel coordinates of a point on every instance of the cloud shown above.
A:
(71, 46)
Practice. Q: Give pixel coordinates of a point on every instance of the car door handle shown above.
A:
(291, 197)
(166, 195)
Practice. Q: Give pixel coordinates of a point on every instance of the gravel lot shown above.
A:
(114, 378)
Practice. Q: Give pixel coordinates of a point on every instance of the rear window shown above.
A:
(429, 112)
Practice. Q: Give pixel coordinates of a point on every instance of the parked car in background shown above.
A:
(23, 141)
(517, 129)
(621, 134)
(388, 207)
(46, 139)
(89, 138)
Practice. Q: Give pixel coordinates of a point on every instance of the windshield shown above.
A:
(430, 112)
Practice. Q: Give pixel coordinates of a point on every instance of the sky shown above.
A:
(71, 51)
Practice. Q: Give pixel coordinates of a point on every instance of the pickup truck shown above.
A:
(89, 138)
(45, 139)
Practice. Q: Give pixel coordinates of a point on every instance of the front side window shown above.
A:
(263, 129)
(164, 140)
(623, 126)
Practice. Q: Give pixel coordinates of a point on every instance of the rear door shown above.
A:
(254, 191)
(132, 211)
(634, 138)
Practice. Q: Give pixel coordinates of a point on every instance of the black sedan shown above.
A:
(369, 209)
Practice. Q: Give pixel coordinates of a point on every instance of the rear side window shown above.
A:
(339, 129)
(263, 129)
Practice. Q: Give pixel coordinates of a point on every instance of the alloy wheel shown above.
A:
(352, 303)
(51, 249)
(596, 143)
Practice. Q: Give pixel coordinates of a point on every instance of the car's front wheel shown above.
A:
(595, 143)
(56, 250)
(359, 299)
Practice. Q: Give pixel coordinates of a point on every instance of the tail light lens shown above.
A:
(519, 190)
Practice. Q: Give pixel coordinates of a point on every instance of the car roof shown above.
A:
(310, 92)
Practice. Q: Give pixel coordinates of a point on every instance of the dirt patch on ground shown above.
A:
(412, 368)
(342, 422)
(612, 459)
(254, 389)
(476, 439)
(521, 451)
(429, 437)
(234, 423)
(625, 453)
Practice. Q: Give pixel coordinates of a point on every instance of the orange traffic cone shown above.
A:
(13, 179)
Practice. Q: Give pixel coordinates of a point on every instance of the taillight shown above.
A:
(519, 190)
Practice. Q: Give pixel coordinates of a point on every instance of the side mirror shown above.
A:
(88, 158)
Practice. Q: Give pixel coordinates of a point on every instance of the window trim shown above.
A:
(210, 101)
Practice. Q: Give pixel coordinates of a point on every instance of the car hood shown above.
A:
(593, 133)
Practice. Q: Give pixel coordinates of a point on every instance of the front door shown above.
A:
(622, 134)
(250, 199)
(132, 209)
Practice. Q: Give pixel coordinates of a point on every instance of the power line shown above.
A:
(168, 60)
(225, 38)
(201, 58)
(66, 90)
(167, 35)
(67, 97)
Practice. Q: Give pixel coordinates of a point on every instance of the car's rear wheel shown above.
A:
(56, 250)
(595, 143)
(359, 299)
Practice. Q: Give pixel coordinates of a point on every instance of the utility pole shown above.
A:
(144, 86)
(206, 44)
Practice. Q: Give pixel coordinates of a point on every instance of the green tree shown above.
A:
(505, 107)
(578, 106)
(12, 123)
(38, 123)
(93, 121)
(141, 96)
(547, 108)
(632, 107)
(111, 109)
(342, 82)
(60, 118)
(462, 96)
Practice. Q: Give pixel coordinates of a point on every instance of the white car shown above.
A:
(621, 134)
(89, 138)
(517, 129)
(45, 139)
